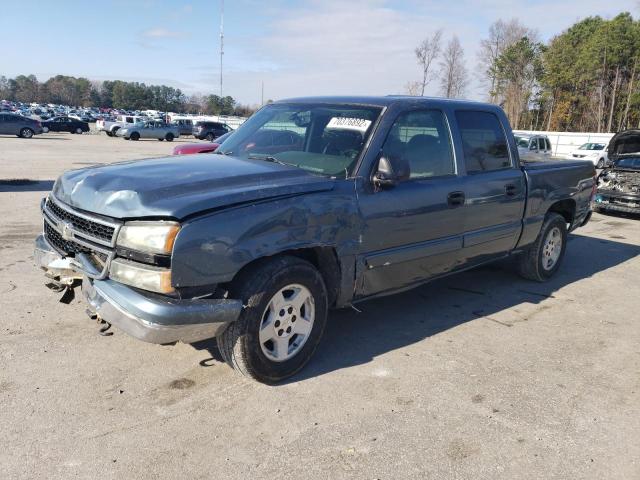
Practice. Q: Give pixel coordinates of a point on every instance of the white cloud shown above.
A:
(159, 32)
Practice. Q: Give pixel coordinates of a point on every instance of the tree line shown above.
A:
(583, 79)
(82, 92)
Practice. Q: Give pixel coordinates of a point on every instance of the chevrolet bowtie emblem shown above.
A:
(66, 230)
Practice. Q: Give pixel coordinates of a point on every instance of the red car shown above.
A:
(191, 148)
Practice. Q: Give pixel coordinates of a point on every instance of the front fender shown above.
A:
(212, 249)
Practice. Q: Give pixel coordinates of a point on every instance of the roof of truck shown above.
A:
(382, 101)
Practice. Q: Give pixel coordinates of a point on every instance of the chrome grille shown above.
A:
(89, 240)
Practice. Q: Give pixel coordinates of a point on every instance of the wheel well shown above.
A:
(566, 208)
(324, 259)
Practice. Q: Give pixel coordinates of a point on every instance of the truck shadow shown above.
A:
(389, 323)
(393, 322)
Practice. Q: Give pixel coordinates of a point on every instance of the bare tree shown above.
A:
(453, 75)
(426, 53)
(413, 88)
(502, 34)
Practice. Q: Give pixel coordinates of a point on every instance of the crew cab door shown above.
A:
(494, 186)
(413, 230)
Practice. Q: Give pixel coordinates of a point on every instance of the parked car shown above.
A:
(254, 248)
(619, 184)
(154, 129)
(191, 148)
(65, 124)
(533, 147)
(205, 130)
(595, 152)
(111, 127)
(12, 124)
(185, 126)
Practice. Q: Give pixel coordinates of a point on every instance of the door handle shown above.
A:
(455, 199)
(510, 190)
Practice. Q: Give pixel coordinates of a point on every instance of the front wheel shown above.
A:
(135, 136)
(210, 137)
(79, 131)
(542, 259)
(109, 134)
(283, 320)
(26, 133)
(600, 163)
(169, 137)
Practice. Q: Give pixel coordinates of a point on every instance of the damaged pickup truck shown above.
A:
(619, 184)
(312, 204)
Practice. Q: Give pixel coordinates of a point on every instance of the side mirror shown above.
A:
(390, 172)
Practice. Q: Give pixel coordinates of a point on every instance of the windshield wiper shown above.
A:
(269, 158)
(223, 153)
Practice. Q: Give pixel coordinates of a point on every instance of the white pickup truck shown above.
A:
(111, 127)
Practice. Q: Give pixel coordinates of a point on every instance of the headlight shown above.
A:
(146, 277)
(149, 237)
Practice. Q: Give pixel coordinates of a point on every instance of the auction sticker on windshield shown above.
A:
(347, 123)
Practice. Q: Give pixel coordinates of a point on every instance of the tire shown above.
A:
(79, 131)
(600, 163)
(210, 137)
(45, 129)
(169, 137)
(109, 134)
(114, 132)
(161, 139)
(261, 289)
(26, 133)
(542, 259)
(135, 136)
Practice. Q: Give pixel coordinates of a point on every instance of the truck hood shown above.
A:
(178, 187)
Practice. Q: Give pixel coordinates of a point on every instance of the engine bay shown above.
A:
(620, 181)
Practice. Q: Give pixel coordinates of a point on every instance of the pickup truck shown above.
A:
(255, 244)
(111, 127)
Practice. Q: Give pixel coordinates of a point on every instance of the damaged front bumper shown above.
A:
(147, 317)
(620, 202)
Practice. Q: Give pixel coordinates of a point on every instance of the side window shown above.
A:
(422, 138)
(483, 141)
(541, 144)
(548, 143)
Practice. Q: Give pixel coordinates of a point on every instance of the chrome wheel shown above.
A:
(552, 248)
(287, 322)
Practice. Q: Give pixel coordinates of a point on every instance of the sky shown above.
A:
(296, 48)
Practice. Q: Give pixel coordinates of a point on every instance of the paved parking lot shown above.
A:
(482, 375)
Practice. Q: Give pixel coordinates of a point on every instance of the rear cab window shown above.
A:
(484, 141)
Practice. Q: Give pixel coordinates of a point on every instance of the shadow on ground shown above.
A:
(393, 322)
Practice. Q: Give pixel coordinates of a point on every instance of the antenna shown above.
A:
(221, 41)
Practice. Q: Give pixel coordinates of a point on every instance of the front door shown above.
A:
(414, 230)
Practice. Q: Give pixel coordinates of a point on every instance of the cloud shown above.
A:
(159, 32)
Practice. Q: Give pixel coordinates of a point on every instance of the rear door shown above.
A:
(494, 185)
(4, 124)
(414, 231)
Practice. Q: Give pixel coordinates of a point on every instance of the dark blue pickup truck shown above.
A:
(312, 204)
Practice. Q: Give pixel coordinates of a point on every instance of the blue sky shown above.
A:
(304, 47)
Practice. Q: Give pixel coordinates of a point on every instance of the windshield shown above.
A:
(522, 141)
(592, 146)
(320, 138)
(629, 162)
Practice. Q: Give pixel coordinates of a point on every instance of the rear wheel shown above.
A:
(283, 320)
(109, 134)
(600, 163)
(211, 137)
(114, 132)
(135, 136)
(161, 139)
(169, 137)
(79, 131)
(26, 133)
(543, 258)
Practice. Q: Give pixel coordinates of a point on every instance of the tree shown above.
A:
(502, 34)
(453, 75)
(426, 53)
(518, 70)
(413, 88)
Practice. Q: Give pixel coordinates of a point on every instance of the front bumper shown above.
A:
(148, 317)
(619, 202)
